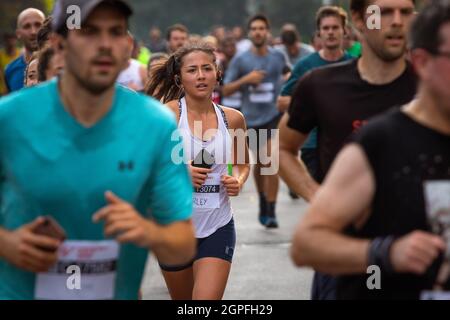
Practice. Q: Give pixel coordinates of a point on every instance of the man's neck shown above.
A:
(331, 54)
(377, 71)
(260, 51)
(426, 110)
(27, 54)
(85, 107)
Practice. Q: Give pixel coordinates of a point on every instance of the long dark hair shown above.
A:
(162, 84)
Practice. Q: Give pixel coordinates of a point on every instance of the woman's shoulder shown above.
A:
(234, 117)
(174, 106)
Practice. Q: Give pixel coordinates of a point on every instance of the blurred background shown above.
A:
(200, 16)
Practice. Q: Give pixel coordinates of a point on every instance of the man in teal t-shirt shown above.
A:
(97, 158)
(331, 22)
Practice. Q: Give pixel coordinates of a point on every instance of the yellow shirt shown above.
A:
(5, 59)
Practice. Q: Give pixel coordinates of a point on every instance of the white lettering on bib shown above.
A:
(263, 93)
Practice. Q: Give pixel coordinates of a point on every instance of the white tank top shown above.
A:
(212, 207)
(132, 75)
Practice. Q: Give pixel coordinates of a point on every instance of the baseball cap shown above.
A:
(60, 14)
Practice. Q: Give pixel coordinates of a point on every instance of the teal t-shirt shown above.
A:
(52, 165)
(305, 65)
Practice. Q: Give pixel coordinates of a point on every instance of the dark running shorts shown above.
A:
(218, 245)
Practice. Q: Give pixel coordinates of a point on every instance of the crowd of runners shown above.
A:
(110, 148)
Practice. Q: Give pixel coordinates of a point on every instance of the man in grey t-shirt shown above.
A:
(257, 74)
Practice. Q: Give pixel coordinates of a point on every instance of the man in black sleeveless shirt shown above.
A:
(341, 98)
(382, 218)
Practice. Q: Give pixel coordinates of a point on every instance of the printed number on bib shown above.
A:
(207, 196)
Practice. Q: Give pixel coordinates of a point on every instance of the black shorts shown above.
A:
(220, 245)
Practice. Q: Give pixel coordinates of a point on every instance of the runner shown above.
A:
(292, 48)
(186, 82)
(31, 71)
(388, 186)
(340, 99)
(331, 23)
(9, 53)
(257, 74)
(177, 36)
(96, 157)
(28, 23)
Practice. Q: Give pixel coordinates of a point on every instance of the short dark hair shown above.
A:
(176, 27)
(331, 11)
(360, 6)
(289, 37)
(261, 17)
(425, 30)
(44, 32)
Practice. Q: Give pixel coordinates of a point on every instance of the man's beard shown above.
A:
(260, 44)
(386, 55)
(94, 88)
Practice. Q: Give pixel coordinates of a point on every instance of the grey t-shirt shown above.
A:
(258, 102)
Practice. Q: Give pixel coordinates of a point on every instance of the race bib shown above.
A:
(233, 101)
(207, 196)
(263, 93)
(86, 270)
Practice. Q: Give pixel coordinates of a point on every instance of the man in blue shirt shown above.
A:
(257, 75)
(29, 22)
(331, 23)
(96, 157)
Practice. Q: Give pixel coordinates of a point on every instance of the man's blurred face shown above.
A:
(177, 39)
(434, 71)
(331, 32)
(258, 33)
(389, 43)
(96, 54)
(27, 29)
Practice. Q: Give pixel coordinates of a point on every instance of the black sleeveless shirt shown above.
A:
(404, 156)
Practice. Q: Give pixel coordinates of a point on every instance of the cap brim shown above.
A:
(121, 4)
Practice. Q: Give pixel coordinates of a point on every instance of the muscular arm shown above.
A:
(292, 169)
(344, 199)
